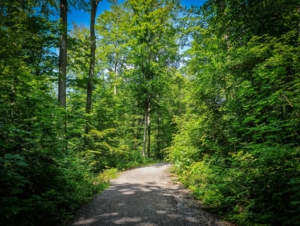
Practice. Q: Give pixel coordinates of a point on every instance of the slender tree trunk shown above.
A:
(62, 54)
(299, 24)
(149, 126)
(158, 137)
(115, 79)
(94, 5)
(145, 130)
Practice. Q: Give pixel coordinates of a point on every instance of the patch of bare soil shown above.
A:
(145, 196)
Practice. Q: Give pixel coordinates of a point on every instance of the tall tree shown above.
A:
(94, 5)
(62, 80)
(138, 49)
(153, 49)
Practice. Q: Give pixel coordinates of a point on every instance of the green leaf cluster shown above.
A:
(237, 146)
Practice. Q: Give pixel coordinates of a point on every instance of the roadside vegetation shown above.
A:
(212, 89)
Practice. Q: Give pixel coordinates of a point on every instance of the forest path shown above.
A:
(144, 196)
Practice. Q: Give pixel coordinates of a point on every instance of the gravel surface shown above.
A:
(145, 196)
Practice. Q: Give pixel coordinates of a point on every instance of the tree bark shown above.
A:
(116, 77)
(145, 132)
(146, 141)
(158, 137)
(149, 127)
(62, 54)
(94, 5)
(298, 25)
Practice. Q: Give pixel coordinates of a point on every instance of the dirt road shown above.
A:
(144, 197)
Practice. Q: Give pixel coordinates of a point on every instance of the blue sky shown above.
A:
(188, 3)
(80, 17)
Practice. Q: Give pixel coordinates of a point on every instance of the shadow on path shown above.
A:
(141, 204)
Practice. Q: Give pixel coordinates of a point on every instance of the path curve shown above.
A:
(144, 196)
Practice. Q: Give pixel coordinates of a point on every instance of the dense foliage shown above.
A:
(41, 180)
(54, 153)
(214, 89)
(237, 146)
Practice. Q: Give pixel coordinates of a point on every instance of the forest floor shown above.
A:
(146, 196)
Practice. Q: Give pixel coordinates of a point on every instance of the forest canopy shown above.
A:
(212, 89)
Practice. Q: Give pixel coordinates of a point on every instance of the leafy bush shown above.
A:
(237, 146)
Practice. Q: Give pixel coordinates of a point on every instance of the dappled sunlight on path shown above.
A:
(142, 197)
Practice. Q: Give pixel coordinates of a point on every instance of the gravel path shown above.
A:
(144, 197)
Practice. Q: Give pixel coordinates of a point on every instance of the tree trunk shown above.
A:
(149, 127)
(145, 131)
(115, 78)
(94, 5)
(299, 24)
(158, 137)
(62, 54)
